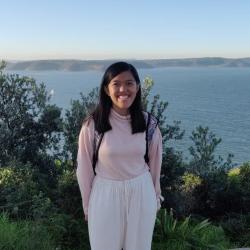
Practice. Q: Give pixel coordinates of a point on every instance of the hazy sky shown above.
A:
(114, 29)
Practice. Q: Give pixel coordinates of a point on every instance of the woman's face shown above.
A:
(122, 90)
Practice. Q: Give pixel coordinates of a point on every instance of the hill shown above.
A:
(82, 65)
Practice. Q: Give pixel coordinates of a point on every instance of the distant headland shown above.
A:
(83, 65)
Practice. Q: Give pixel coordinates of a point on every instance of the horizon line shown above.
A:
(116, 59)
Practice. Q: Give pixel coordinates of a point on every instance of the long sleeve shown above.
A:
(84, 172)
(155, 161)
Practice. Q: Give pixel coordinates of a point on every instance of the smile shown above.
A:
(123, 97)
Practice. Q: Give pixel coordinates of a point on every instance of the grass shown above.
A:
(23, 235)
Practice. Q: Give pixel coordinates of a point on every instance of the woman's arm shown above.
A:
(84, 172)
(155, 160)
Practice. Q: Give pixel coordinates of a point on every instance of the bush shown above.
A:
(68, 232)
(68, 197)
(24, 235)
(187, 189)
(238, 191)
(245, 185)
(237, 227)
(186, 234)
(20, 193)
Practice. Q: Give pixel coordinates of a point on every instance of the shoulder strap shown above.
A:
(147, 142)
(152, 123)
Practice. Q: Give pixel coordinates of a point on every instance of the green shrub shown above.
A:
(16, 189)
(237, 227)
(245, 184)
(188, 199)
(20, 194)
(68, 232)
(24, 235)
(173, 234)
(233, 174)
(67, 185)
(238, 190)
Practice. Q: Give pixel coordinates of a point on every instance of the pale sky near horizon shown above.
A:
(113, 29)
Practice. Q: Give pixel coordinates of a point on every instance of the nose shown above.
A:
(122, 88)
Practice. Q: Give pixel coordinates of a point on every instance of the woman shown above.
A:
(120, 202)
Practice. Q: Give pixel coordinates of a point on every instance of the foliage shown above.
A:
(17, 235)
(239, 188)
(30, 130)
(67, 185)
(212, 197)
(20, 193)
(171, 179)
(173, 234)
(222, 192)
(68, 232)
(190, 182)
(203, 160)
(28, 124)
(233, 176)
(237, 227)
(245, 177)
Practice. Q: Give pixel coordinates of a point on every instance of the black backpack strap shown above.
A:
(152, 123)
(147, 126)
(97, 142)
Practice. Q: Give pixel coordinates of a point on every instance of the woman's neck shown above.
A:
(123, 112)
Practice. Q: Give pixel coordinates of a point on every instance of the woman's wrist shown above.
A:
(160, 199)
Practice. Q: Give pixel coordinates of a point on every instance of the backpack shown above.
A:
(151, 124)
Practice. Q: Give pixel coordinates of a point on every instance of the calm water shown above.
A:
(215, 97)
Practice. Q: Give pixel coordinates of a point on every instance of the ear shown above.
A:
(106, 90)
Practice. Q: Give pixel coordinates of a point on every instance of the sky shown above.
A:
(128, 29)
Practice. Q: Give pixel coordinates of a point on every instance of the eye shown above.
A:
(115, 84)
(130, 83)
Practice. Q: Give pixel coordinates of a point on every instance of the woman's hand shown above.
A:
(86, 217)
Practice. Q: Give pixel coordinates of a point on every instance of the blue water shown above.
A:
(215, 97)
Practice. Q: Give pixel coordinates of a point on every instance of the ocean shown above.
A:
(209, 96)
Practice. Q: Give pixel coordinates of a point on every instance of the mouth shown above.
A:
(123, 97)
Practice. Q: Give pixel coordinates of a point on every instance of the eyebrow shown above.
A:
(129, 80)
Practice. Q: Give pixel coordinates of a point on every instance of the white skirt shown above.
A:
(121, 214)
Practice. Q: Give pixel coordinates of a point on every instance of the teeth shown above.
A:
(124, 97)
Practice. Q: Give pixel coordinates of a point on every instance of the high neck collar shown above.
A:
(118, 116)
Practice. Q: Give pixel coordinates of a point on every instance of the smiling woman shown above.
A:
(120, 202)
(122, 91)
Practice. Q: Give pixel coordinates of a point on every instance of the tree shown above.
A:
(28, 124)
(203, 153)
(212, 194)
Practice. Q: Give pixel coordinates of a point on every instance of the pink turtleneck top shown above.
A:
(120, 157)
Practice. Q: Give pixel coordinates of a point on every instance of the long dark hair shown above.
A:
(101, 113)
